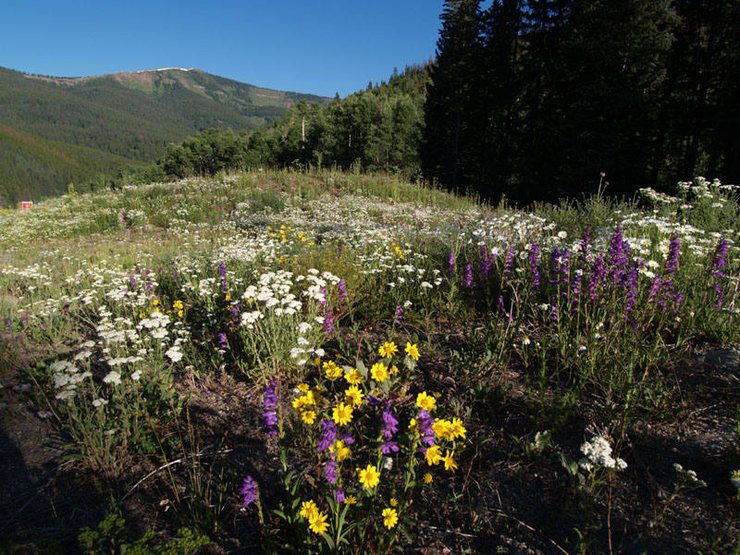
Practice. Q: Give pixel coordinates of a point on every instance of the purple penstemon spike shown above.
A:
(328, 436)
(269, 405)
(249, 491)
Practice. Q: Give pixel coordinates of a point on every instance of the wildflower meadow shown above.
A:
(325, 362)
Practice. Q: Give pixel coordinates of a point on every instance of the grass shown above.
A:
(180, 338)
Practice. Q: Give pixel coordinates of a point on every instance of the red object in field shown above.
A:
(26, 205)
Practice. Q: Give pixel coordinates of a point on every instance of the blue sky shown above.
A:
(321, 47)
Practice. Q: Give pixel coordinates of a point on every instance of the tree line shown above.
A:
(536, 98)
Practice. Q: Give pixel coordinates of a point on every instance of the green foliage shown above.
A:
(111, 536)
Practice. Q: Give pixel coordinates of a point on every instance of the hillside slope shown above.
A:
(58, 129)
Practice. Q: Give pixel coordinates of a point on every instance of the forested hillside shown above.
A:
(377, 129)
(56, 130)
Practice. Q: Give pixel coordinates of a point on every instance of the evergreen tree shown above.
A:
(448, 154)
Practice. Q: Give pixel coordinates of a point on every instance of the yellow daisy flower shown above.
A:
(308, 416)
(426, 401)
(412, 351)
(434, 455)
(450, 463)
(354, 395)
(353, 377)
(342, 414)
(379, 372)
(309, 509)
(318, 524)
(390, 517)
(388, 349)
(427, 478)
(331, 370)
(369, 476)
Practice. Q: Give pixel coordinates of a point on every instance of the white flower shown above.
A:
(136, 375)
(99, 402)
(113, 378)
(174, 354)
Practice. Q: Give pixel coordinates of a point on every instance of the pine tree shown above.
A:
(450, 110)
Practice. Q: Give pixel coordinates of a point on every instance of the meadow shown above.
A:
(330, 362)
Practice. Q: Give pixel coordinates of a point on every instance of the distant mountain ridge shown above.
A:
(56, 130)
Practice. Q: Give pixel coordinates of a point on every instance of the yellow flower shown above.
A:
(443, 429)
(308, 416)
(450, 463)
(318, 524)
(342, 414)
(340, 451)
(354, 395)
(369, 477)
(426, 402)
(388, 349)
(393, 502)
(434, 455)
(394, 369)
(353, 377)
(177, 304)
(350, 500)
(412, 424)
(332, 371)
(457, 429)
(379, 372)
(390, 517)
(300, 402)
(412, 351)
(303, 387)
(427, 478)
(309, 509)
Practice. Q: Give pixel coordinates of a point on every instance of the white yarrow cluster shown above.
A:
(598, 452)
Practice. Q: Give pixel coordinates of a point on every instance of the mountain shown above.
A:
(56, 130)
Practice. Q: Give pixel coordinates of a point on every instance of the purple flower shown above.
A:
(269, 414)
(347, 439)
(132, 282)
(586, 241)
(342, 291)
(618, 257)
(224, 282)
(328, 321)
(249, 491)
(674, 249)
(329, 435)
(468, 276)
(399, 315)
(390, 423)
(339, 495)
(222, 342)
(509, 261)
(388, 447)
(330, 472)
(425, 422)
(8, 323)
(533, 261)
(597, 277)
(149, 286)
(631, 285)
(451, 265)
